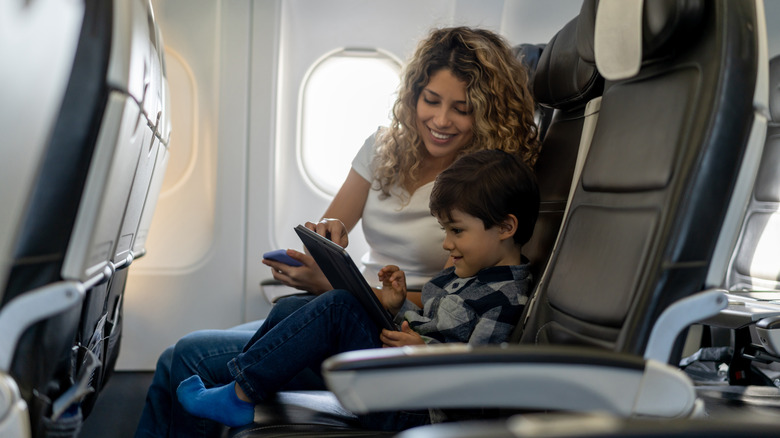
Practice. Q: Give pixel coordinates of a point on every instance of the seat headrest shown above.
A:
(620, 35)
(562, 79)
(774, 88)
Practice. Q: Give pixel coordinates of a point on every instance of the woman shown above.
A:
(462, 91)
(429, 131)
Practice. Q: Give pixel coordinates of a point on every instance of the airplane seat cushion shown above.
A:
(563, 80)
(302, 413)
(665, 24)
(563, 84)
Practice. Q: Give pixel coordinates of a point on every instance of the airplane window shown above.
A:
(346, 95)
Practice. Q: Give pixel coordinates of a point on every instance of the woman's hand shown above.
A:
(308, 277)
(332, 229)
(406, 336)
(393, 288)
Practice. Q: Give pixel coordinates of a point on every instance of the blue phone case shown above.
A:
(280, 255)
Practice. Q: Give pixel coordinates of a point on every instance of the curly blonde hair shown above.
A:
(496, 90)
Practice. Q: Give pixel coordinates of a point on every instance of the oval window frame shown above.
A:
(311, 165)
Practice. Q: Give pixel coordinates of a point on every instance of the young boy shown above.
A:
(487, 202)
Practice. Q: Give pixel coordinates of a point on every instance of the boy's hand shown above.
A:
(406, 336)
(393, 288)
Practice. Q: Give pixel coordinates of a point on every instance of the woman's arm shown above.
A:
(344, 211)
(341, 216)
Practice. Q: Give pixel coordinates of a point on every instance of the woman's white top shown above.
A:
(406, 235)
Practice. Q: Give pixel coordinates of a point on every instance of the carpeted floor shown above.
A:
(119, 406)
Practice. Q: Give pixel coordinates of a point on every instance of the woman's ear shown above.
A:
(508, 227)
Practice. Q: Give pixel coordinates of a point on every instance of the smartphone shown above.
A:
(280, 255)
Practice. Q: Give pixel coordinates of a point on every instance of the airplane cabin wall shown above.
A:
(234, 188)
(192, 276)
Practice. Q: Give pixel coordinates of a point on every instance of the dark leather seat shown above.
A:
(563, 85)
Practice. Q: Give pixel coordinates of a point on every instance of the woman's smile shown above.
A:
(444, 118)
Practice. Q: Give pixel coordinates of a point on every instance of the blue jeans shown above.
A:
(285, 353)
(332, 323)
(207, 353)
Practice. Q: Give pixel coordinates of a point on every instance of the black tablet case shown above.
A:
(342, 273)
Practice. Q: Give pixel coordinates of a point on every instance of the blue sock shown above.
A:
(219, 403)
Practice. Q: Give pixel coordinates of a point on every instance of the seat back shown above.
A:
(61, 288)
(647, 210)
(562, 84)
(135, 118)
(39, 355)
(40, 41)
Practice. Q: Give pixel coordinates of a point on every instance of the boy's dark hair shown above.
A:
(489, 185)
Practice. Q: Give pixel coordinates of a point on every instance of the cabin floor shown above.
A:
(118, 409)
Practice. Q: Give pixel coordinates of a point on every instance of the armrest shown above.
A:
(743, 310)
(275, 290)
(30, 307)
(517, 376)
(680, 315)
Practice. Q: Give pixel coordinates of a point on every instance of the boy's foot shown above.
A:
(219, 403)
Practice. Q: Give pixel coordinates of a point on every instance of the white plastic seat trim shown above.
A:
(617, 42)
(620, 388)
(680, 315)
(30, 307)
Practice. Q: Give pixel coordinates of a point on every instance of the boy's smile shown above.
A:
(471, 246)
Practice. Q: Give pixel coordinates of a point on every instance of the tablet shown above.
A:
(342, 273)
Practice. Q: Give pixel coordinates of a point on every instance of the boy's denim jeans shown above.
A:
(206, 353)
(332, 323)
(285, 353)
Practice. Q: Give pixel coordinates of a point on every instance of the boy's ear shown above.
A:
(508, 227)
